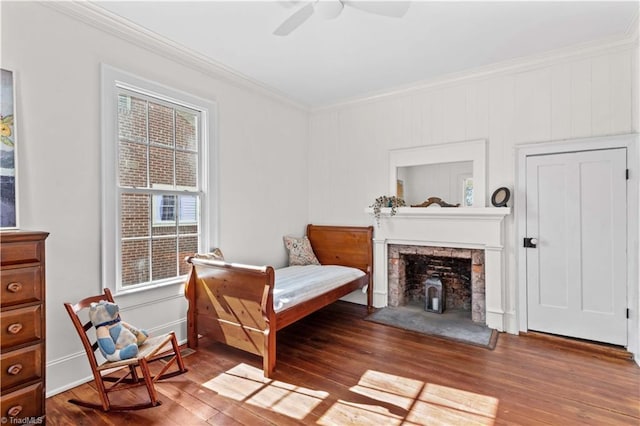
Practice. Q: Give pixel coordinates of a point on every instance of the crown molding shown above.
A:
(113, 24)
(608, 45)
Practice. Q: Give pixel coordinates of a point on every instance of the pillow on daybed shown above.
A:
(300, 251)
(215, 254)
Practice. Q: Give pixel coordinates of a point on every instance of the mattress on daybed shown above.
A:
(296, 284)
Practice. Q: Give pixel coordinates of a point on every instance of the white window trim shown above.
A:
(111, 80)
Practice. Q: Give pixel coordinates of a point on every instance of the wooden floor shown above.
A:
(334, 368)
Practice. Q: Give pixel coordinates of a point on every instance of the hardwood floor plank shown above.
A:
(221, 419)
(182, 393)
(335, 368)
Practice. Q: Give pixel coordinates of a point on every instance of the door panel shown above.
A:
(553, 288)
(597, 230)
(576, 276)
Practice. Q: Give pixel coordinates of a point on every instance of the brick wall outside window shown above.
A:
(158, 153)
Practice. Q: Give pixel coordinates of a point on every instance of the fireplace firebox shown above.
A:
(460, 272)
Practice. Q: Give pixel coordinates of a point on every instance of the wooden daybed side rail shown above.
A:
(233, 303)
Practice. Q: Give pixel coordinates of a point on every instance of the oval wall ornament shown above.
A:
(500, 197)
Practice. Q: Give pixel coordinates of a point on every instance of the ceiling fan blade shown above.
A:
(394, 9)
(295, 20)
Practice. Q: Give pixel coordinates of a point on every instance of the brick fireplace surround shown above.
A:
(469, 229)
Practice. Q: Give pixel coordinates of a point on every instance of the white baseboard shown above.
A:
(495, 320)
(380, 300)
(511, 322)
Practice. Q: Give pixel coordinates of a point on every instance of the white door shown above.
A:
(576, 273)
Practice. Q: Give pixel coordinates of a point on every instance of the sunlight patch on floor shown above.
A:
(248, 384)
(350, 413)
(377, 399)
(399, 400)
(394, 390)
(454, 406)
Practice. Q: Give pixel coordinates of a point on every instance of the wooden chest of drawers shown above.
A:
(22, 326)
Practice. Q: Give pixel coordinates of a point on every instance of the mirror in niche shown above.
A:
(451, 182)
(454, 172)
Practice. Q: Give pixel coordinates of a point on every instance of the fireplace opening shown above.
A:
(461, 272)
(454, 274)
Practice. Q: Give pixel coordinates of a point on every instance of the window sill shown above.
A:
(150, 294)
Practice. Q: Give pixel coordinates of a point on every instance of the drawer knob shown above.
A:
(14, 287)
(14, 411)
(14, 328)
(15, 369)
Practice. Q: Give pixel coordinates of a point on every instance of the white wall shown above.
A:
(592, 91)
(262, 168)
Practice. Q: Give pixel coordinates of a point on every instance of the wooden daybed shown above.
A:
(233, 303)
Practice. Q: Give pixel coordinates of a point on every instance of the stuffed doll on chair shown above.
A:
(117, 340)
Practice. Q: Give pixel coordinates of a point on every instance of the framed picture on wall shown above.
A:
(8, 208)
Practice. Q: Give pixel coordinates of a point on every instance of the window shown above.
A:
(167, 210)
(154, 181)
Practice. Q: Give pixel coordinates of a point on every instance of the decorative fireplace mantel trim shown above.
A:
(473, 227)
(450, 213)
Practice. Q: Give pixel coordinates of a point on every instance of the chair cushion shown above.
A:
(152, 346)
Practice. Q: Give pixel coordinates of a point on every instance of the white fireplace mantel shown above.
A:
(472, 227)
(452, 213)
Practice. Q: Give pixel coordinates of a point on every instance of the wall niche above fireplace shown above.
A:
(472, 153)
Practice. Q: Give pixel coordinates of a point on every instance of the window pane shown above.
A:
(133, 165)
(188, 217)
(165, 210)
(186, 169)
(164, 229)
(188, 246)
(186, 130)
(132, 118)
(135, 262)
(135, 215)
(161, 166)
(160, 124)
(164, 252)
(188, 209)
